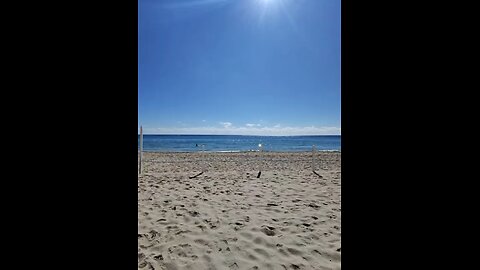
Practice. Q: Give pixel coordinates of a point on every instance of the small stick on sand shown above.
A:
(191, 177)
(202, 162)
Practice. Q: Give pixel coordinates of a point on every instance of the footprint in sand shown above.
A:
(268, 230)
(252, 257)
(202, 242)
(284, 253)
(294, 266)
(233, 266)
(158, 257)
(294, 251)
(152, 235)
(193, 213)
(262, 252)
(258, 240)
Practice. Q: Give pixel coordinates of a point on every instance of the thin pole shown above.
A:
(260, 147)
(203, 158)
(260, 161)
(313, 157)
(141, 150)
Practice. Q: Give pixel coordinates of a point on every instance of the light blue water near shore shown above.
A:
(236, 143)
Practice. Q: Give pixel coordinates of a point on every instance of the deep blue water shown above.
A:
(217, 143)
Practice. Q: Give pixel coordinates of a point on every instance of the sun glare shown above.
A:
(271, 4)
(266, 1)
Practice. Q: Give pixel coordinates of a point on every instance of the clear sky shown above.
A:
(246, 67)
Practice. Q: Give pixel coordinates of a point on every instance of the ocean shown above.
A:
(238, 143)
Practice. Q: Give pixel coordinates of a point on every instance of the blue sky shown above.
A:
(246, 67)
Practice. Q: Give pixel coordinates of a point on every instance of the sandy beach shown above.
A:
(227, 218)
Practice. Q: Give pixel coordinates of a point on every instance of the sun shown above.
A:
(269, 3)
(269, 9)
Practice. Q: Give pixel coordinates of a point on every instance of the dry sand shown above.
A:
(227, 218)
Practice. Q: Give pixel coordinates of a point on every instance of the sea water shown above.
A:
(239, 143)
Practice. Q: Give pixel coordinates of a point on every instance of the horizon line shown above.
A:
(163, 134)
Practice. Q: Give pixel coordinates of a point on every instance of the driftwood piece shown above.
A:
(191, 177)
